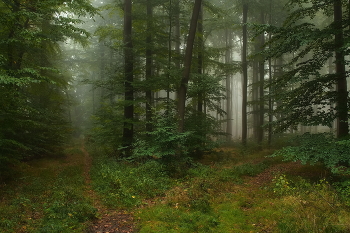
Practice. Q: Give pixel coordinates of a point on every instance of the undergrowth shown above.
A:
(217, 198)
(47, 196)
(124, 184)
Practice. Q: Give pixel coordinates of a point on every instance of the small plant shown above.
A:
(281, 185)
(343, 188)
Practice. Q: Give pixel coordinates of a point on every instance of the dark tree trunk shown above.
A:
(245, 76)
(169, 56)
(149, 54)
(128, 131)
(270, 82)
(261, 85)
(255, 91)
(187, 65)
(342, 98)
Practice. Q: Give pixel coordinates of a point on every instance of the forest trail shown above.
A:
(109, 220)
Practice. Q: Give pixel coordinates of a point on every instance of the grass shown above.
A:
(47, 195)
(219, 193)
(122, 184)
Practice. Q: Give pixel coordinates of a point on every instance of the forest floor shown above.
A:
(110, 220)
(230, 193)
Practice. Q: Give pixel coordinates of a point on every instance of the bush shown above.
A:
(324, 148)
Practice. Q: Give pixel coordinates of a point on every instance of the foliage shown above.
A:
(48, 195)
(343, 188)
(314, 148)
(33, 101)
(213, 199)
(164, 140)
(303, 89)
(107, 125)
(126, 184)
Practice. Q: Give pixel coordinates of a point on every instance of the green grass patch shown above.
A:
(123, 184)
(47, 196)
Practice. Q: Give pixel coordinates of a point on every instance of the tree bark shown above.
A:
(200, 59)
(149, 57)
(187, 65)
(245, 76)
(261, 85)
(128, 131)
(342, 92)
(269, 140)
(228, 60)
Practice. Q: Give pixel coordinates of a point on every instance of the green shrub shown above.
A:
(163, 142)
(324, 148)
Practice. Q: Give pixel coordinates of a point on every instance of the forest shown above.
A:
(174, 116)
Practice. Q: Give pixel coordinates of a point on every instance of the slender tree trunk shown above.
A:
(342, 98)
(128, 131)
(169, 56)
(187, 65)
(149, 64)
(255, 91)
(200, 59)
(245, 76)
(201, 94)
(270, 83)
(228, 60)
(177, 33)
(261, 84)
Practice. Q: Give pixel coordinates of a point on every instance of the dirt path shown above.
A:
(109, 221)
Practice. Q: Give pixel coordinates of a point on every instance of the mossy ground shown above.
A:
(226, 191)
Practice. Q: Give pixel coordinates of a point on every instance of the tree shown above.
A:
(149, 65)
(244, 75)
(33, 90)
(187, 64)
(305, 82)
(128, 130)
(341, 83)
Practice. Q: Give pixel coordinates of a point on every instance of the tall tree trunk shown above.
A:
(228, 60)
(177, 33)
(245, 76)
(342, 97)
(169, 56)
(149, 64)
(255, 91)
(201, 94)
(128, 131)
(200, 58)
(187, 65)
(261, 84)
(270, 83)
